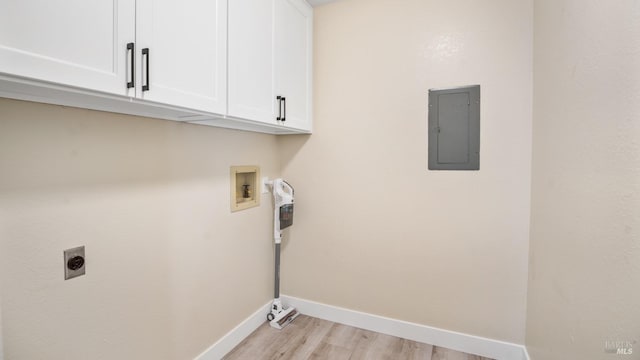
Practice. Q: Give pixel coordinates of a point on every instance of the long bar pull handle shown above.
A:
(279, 98)
(132, 65)
(145, 85)
(284, 102)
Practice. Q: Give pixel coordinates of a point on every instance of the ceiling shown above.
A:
(315, 3)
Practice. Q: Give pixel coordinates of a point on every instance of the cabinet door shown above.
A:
(251, 87)
(82, 43)
(293, 30)
(186, 42)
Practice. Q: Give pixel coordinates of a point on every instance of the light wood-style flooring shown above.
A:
(312, 338)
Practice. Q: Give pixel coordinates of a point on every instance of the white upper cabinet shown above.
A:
(181, 49)
(251, 88)
(81, 43)
(241, 64)
(293, 59)
(270, 61)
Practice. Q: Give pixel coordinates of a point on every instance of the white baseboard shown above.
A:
(236, 335)
(490, 348)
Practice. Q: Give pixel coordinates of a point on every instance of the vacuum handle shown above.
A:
(286, 186)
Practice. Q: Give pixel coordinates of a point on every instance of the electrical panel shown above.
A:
(454, 128)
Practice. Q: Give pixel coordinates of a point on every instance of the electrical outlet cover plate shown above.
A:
(70, 254)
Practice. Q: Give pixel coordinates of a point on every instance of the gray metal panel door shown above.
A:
(454, 128)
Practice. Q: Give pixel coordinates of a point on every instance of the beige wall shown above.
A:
(375, 231)
(585, 255)
(169, 268)
(1, 346)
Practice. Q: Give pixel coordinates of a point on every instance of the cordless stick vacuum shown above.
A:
(280, 317)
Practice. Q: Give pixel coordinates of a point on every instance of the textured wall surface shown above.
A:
(169, 268)
(375, 231)
(585, 234)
